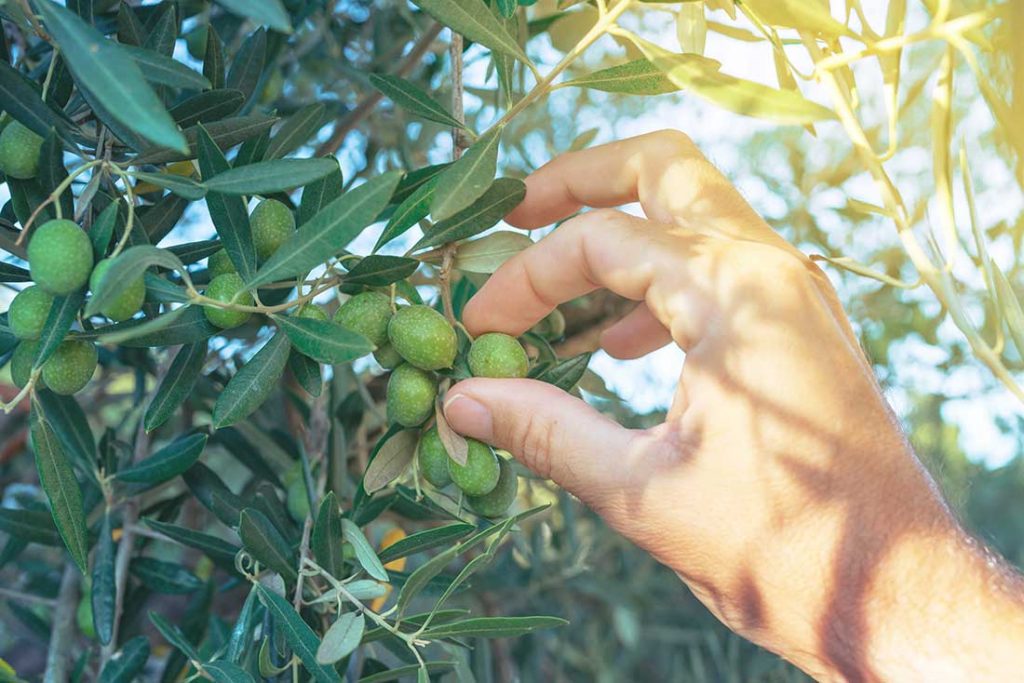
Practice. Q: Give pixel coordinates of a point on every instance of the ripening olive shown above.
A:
(433, 459)
(497, 355)
(367, 314)
(60, 257)
(410, 395)
(480, 474)
(228, 288)
(28, 312)
(70, 367)
(498, 501)
(272, 224)
(423, 337)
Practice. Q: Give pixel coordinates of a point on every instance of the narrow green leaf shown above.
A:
(296, 130)
(213, 60)
(324, 341)
(158, 68)
(62, 314)
(326, 537)
(211, 491)
(103, 587)
(330, 231)
(58, 481)
(247, 67)
(425, 540)
(365, 554)
(475, 21)
(319, 194)
(103, 229)
(33, 526)
(253, 383)
(467, 179)
(164, 577)
(244, 629)
(12, 273)
(264, 542)
(639, 77)
(267, 177)
(413, 180)
(128, 266)
(306, 372)
(216, 548)
(379, 271)
(298, 634)
(72, 428)
(180, 326)
(269, 12)
(406, 95)
(342, 638)
(488, 253)
(204, 107)
(501, 197)
(411, 211)
(564, 374)
(22, 101)
(227, 672)
(127, 663)
(399, 673)
(494, 627)
(174, 636)
(52, 171)
(176, 385)
(229, 214)
(98, 66)
(179, 185)
(226, 133)
(166, 463)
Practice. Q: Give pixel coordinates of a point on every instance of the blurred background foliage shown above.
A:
(631, 619)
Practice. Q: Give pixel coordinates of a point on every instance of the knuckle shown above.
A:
(673, 141)
(533, 440)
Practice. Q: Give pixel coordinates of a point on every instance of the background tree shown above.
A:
(215, 209)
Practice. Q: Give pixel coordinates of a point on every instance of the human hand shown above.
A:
(780, 487)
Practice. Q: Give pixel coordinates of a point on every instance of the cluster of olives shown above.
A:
(272, 223)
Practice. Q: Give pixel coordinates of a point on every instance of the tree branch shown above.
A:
(63, 627)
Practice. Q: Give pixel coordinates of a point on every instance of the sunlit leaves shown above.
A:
(639, 77)
(413, 99)
(497, 201)
(475, 21)
(463, 182)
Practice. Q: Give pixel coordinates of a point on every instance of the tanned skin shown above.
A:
(780, 488)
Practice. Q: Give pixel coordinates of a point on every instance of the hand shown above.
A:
(780, 487)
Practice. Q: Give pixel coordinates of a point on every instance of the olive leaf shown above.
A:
(342, 638)
(266, 177)
(379, 271)
(638, 77)
(323, 341)
(166, 463)
(475, 21)
(467, 179)
(497, 201)
(269, 12)
(412, 98)
(298, 634)
(129, 266)
(487, 254)
(177, 384)
(253, 383)
(103, 587)
(296, 130)
(454, 443)
(391, 460)
(58, 481)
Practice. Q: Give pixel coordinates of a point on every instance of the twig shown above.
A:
(27, 597)
(307, 527)
(370, 102)
(63, 627)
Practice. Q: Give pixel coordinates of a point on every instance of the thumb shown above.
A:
(553, 433)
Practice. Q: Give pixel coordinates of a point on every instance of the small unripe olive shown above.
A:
(19, 151)
(70, 367)
(479, 475)
(21, 364)
(410, 396)
(28, 312)
(228, 288)
(423, 337)
(432, 459)
(552, 327)
(272, 224)
(312, 312)
(127, 303)
(387, 357)
(60, 257)
(497, 355)
(498, 501)
(367, 314)
(219, 263)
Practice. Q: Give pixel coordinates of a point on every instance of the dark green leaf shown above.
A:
(33, 526)
(247, 67)
(229, 214)
(164, 577)
(128, 266)
(216, 548)
(180, 185)
(475, 21)
(253, 383)
(204, 107)
(62, 314)
(52, 171)
(503, 195)
(166, 463)
(306, 372)
(265, 543)
(227, 672)
(494, 627)
(269, 12)
(267, 177)
(174, 636)
(22, 101)
(330, 231)
(226, 133)
(244, 629)
(177, 384)
(401, 672)
(179, 326)
(210, 490)
(58, 481)
(365, 554)
(157, 68)
(326, 538)
(127, 663)
(565, 374)
(322, 340)
(72, 427)
(412, 98)
(103, 229)
(193, 252)
(118, 83)
(296, 130)
(162, 291)
(319, 194)
(465, 181)
(413, 180)
(11, 273)
(298, 634)
(378, 271)
(103, 588)
(411, 211)
(213, 60)
(425, 540)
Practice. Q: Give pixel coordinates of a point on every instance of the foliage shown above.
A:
(229, 484)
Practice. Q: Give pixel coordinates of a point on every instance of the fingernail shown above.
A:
(468, 416)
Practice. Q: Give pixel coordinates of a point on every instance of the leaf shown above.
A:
(174, 636)
(379, 271)
(244, 629)
(22, 101)
(467, 179)
(34, 526)
(497, 202)
(52, 171)
(488, 253)
(342, 638)
(411, 211)
(798, 14)
(180, 185)
(211, 491)
(213, 60)
(204, 107)
(391, 460)
(58, 481)
(12, 273)
(639, 77)
(319, 194)
(306, 372)
(227, 672)
(267, 177)
(129, 266)
(247, 67)
(264, 542)
(180, 326)
(176, 385)
(414, 180)
(406, 95)
(566, 373)
(103, 587)
(214, 547)
(474, 21)
(696, 74)
(330, 231)
(229, 214)
(398, 673)
(118, 83)
(322, 340)
(127, 663)
(166, 463)
(62, 314)
(71, 426)
(298, 634)
(164, 577)
(157, 68)
(455, 445)
(296, 130)
(326, 539)
(365, 555)
(425, 540)
(226, 133)
(494, 627)
(192, 252)
(269, 12)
